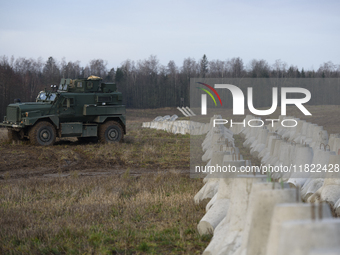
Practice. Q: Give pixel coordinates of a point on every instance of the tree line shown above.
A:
(144, 83)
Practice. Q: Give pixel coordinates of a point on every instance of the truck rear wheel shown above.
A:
(110, 132)
(43, 133)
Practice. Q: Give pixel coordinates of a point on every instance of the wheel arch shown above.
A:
(117, 119)
(48, 119)
(54, 120)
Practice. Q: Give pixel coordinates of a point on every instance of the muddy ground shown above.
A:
(143, 151)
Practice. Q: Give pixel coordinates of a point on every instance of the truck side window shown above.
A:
(68, 102)
(89, 85)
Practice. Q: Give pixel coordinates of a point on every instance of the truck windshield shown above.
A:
(46, 96)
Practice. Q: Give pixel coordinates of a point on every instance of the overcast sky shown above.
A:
(301, 33)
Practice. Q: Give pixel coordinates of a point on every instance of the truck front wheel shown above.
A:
(110, 132)
(42, 133)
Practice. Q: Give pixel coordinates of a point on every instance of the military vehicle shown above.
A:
(83, 108)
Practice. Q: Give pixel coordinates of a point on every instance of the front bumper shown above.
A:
(12, 125)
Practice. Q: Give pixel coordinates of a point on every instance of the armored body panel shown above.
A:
(83, 108)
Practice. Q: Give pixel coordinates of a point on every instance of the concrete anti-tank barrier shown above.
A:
(300, 237)
(287, 212)
(228, 234)
(260, 225)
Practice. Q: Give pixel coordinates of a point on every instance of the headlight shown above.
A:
(26, 113)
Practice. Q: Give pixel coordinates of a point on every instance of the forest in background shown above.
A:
(144, 83)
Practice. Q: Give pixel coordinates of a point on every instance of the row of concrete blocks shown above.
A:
(179, 127)
(248, 215)
(307, 146)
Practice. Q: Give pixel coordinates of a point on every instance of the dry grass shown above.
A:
(123, 213)
(142, 149)
(111, 215)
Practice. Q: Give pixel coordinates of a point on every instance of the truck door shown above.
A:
(68, 109)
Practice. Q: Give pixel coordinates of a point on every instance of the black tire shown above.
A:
(110, 132)
(42, 133)
(13, 135)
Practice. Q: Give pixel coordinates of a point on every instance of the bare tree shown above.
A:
(327, 69)
(189, 67)
(236, 67)
(217, 68)
(279, 68)
(259, 68)
(70, 70)
(98, 67)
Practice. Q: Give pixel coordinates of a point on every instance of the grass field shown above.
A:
(72, 198)
(134, 197)
(143, 150)
(153, 213)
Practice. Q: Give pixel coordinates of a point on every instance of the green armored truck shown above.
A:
(83, 108)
